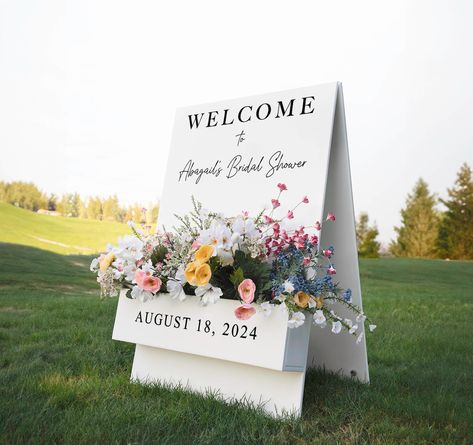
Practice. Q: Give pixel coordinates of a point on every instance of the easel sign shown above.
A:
(230, 155)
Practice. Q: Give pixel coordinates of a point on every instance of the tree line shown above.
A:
(27, 195)
(425, 230)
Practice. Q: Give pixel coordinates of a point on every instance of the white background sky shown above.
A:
(88, 88)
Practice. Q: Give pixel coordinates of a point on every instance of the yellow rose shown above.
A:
(189, 273)
(203, 274)
(319, 301)
(301, 299)
(204, 253)
(105, 262)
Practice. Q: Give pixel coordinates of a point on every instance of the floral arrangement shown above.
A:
(251, 259)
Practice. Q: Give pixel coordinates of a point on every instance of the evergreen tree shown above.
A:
(52, 202)
(366, 236)
(417, 235)
(455, 238)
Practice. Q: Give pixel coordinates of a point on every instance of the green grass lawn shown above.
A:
(56, 233)
(64, 380)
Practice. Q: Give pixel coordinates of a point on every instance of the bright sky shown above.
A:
(88, 89)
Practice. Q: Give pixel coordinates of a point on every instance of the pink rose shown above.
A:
(268, 219)
(317, 225)
(331, 270)
(290, 214)
(275, 203)
(147, 282)
(246, 289)
(305, 200)
(244, 312)
(327, 253)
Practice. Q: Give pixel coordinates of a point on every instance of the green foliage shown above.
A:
(23, 194)
(94, 208)
(111, 209)
(159, 254)
(366, 236)
(65, 381)
(417, 235)
(455, 239)
(255, 269)
(237, 276)
(70, 205)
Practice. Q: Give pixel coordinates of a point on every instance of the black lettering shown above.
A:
(259, 109)
(212, 119)
(225, 118)
(194, 119)
(166, 322)
(177, 321)
(158, 319)
(285, 110)
(139, 317)
(186, 321)
(305, 105)
(239, 114)
(150, 317)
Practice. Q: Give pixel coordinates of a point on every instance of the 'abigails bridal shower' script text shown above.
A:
(239, 165)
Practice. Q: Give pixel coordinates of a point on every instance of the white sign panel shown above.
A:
(230, 156)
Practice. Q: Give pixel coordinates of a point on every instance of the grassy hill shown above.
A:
(64, 380)
(56, 233)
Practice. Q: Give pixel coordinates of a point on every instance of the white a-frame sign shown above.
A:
(231, 155)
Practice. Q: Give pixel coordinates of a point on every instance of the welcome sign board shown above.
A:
(230, 155)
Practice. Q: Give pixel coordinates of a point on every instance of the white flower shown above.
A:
(94, 265)
(176, 290)
(225, 257)
(348, 322)
(208, 294)
(245, 227)
(267, 307)
(360, 318)
(217, 235)
(372, 327)
(175, 285)
(312, 303)
(147, 267)
(319, 317)
(296, 320)
(353, 329)
(140, 294)
(130, 249)
(288, 287)
(336, 327)
(129, 271)
(360, 337)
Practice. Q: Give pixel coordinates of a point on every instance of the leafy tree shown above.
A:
(455, 238)
(366, 236)
(70, 204)
(111, 209)
(94, 208)
(417, 235)
(24, 194)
